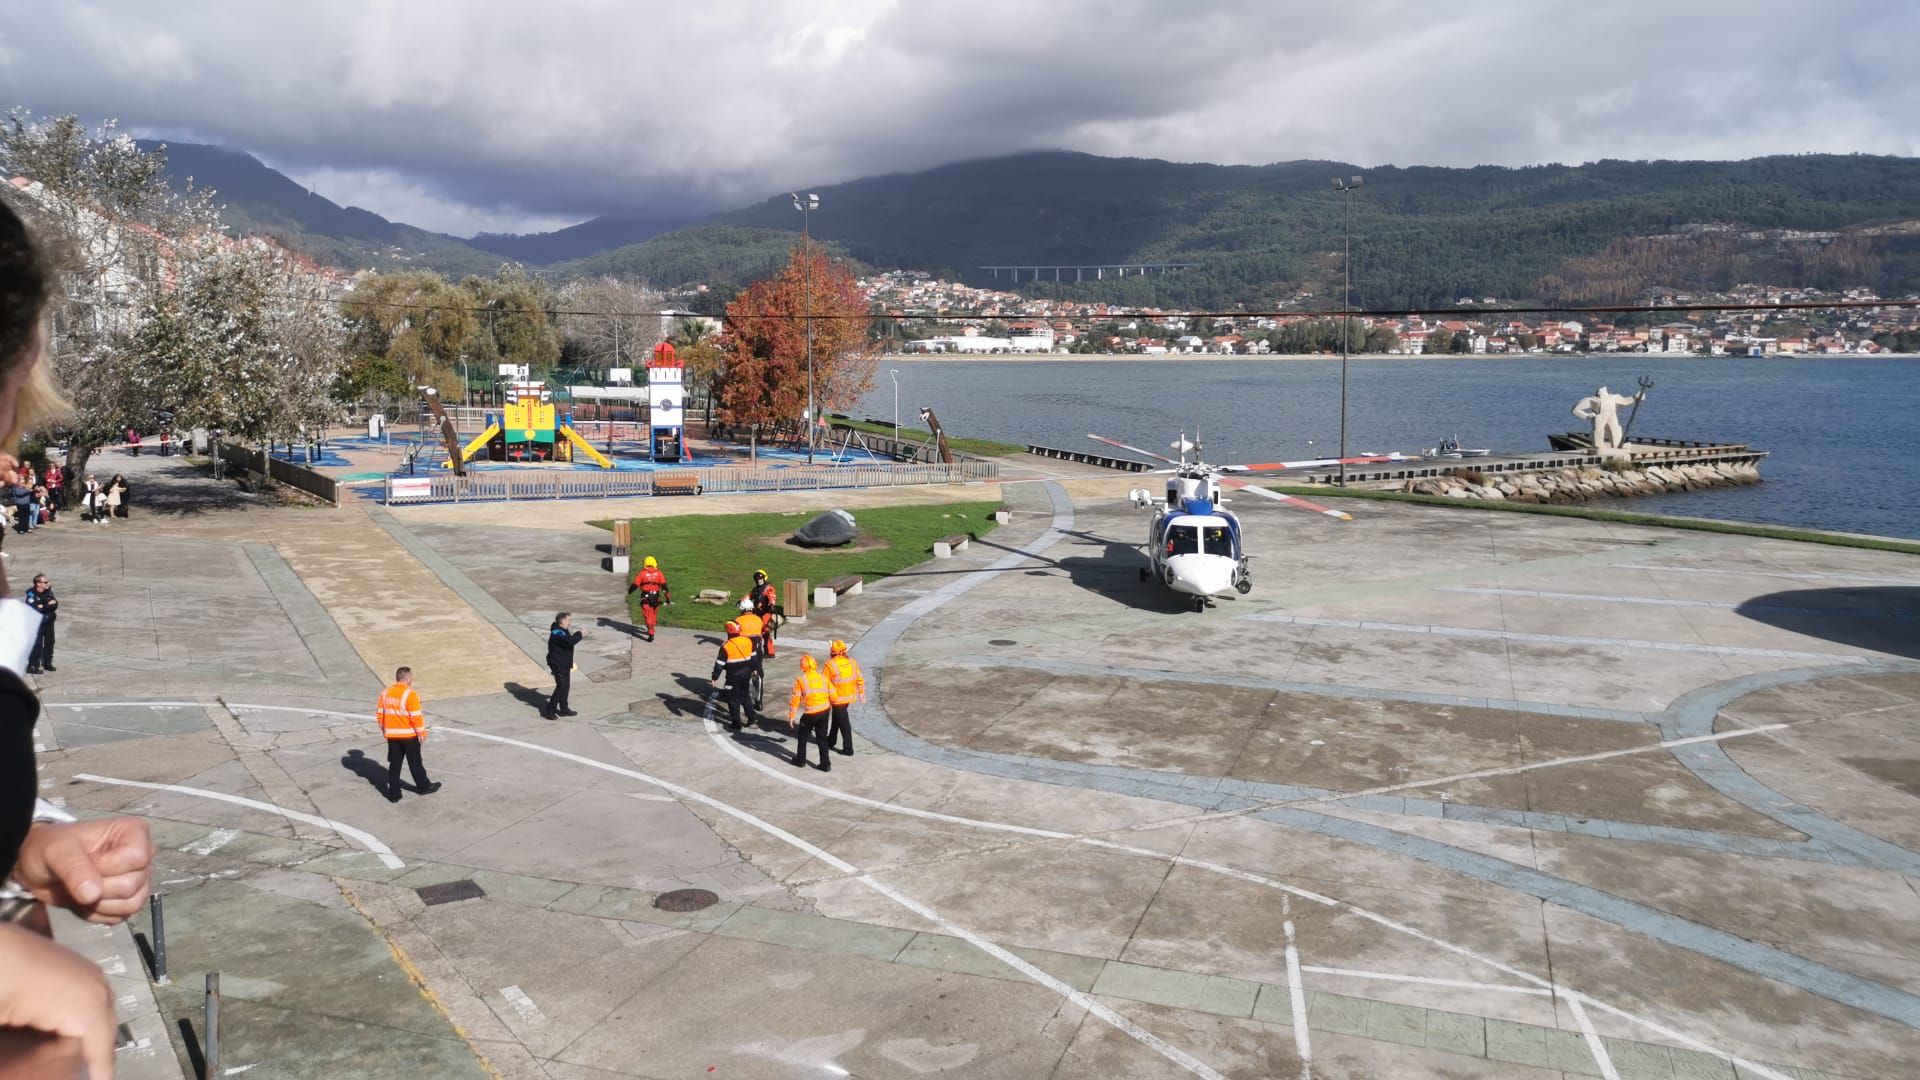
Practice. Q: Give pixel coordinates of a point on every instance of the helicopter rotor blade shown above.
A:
(1288, 500)
(1133, 449)
(1266, 466)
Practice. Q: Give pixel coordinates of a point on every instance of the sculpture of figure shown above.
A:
(1603, 408)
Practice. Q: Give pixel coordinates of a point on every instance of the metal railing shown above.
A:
(513, 485)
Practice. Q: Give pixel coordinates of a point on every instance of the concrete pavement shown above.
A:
(1449, 794)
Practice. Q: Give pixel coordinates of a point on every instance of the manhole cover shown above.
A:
(1002, 641)
(685, 900)
(448, 891)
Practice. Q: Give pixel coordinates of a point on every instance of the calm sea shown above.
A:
(1842, 431)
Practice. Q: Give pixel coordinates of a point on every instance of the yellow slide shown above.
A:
(478, 444)
(585, 447)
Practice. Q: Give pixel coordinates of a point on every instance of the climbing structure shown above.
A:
(530, 429)
(666, 406)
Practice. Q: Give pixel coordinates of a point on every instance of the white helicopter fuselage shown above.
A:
(1194, 545)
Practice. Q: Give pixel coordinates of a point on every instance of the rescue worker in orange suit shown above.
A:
(807, 712)
(764, 602)
(652, 586)
(845, 685)
(404, 724)
(754, 629)
(736, 662)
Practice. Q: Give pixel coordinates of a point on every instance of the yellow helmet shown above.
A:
(759, 575)
(838, 648)
(808, 663)
(650, 564)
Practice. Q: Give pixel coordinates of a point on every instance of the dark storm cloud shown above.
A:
(470, 114)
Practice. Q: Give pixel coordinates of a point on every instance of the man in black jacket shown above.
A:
(561, 638)
(41, 599)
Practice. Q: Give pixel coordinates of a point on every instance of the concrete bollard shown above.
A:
(210, 1053)
(159, 940)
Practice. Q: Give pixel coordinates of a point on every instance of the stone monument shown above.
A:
(1603, 408)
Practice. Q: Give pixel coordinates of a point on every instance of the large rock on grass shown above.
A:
(831, 529)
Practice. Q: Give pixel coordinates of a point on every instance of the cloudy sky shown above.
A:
(463, 115)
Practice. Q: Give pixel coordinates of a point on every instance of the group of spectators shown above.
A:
(34, 499)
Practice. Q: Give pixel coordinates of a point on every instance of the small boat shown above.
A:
(1450, 448)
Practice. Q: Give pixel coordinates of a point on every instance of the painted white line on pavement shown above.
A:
(1542, 594)
(1477, 633)
(1423, 980)
(1599, 1049)
(1854, 578)
(1110, 1017)
(1297, 995)
(364, 838)
(523, 1004)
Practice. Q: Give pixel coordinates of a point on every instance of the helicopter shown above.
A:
(1195, 545)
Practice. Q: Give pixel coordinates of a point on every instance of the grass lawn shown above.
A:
(702, 551)
(1594, 513)
(982, 447)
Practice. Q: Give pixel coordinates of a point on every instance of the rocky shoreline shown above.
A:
(1583, 483)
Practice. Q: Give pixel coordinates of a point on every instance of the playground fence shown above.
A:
(285, 472)
(513, 485)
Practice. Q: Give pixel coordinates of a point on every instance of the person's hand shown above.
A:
(45, 987)
(99, 869)
(9, 469)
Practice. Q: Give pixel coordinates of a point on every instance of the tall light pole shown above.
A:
(807, 206)
(894, 374)
(1346, 187)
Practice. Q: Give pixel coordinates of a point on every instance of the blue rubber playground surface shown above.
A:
(626, 454)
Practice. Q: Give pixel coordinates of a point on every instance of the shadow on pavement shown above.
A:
(1881, 618)
(528, 695)
(373, 772)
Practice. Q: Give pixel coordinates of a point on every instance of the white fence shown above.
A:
(504, 484)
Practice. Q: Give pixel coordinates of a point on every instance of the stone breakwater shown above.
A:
(1583, 483)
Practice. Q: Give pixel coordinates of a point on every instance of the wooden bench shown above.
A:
(944, 547)
(676, 484)
(829, 594)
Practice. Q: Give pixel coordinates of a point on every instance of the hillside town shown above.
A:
(941, 316)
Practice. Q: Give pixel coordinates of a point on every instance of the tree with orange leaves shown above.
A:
(765, 382)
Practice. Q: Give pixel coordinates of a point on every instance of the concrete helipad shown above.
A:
(1449, 794)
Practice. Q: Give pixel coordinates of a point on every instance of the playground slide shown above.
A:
(585, 447)
(480, 443)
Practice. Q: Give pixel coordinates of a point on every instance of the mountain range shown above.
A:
(1600, 232)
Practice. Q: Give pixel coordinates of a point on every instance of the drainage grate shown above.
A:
(685, 900)
(1002, 641)
(448, 891)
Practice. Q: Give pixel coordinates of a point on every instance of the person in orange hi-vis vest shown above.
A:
(845, 685)
(404, 724)
(807, 712)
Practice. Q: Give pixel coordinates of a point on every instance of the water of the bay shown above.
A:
(1841, 431)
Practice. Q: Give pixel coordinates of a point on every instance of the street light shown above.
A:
(1346, 187)
(894, 374)
(807, 206)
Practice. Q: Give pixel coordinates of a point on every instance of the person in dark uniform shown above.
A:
(736, 661)
(561, 638)
(41, 599)
(764, 605)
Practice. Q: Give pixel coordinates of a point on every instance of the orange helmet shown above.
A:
(733, 628)
(808, 663)
(838, 648)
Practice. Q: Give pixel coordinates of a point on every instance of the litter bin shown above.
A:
(377, 426)
(794, 597)
(622, 546)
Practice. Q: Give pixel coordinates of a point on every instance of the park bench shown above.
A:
(829, 594)
(676, 484)
(944, 547)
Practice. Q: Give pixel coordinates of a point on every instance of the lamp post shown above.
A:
(1345, 187)
(894, 374)
(807, 206)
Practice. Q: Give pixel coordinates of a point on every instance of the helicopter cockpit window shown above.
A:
(1219, 540)
(1183, 540)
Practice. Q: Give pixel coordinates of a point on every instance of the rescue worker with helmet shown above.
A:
(404, 724)
(736, 661)
(764, 603)
(807, 711)
(845, 685)
(652, 586)
(754, 629)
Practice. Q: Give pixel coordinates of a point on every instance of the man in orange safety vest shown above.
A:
(807, 712)
(845, 685)
(404, 724)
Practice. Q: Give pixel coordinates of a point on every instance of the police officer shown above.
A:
(736, 661)
(41, 599)
(845, 685)
(652, 585)
(807, 712)
(763, 605)
(561, 638)
(404, 724)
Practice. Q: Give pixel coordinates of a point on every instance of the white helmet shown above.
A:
(746, 604)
